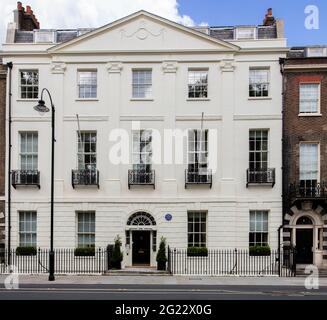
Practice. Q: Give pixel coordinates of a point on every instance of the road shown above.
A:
(159, 292)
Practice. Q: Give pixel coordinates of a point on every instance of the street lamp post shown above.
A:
(42, 108)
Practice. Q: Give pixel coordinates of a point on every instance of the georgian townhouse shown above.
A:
(141, 77)
(304, 152)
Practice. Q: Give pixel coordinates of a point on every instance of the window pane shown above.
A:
(198, 84)
(142, 84)
(29, 150)
(196, 229)
(29, 84)
(259, 82)
(258, 231)
(86, 229)
(27, 228)
(309, 98)
(308, 161)
(87, 84)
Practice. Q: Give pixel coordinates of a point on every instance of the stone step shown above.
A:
(300, 272)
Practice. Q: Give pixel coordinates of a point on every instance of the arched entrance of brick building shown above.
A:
(307, 237)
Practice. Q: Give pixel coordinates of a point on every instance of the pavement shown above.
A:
(164, 280)
(160, 287)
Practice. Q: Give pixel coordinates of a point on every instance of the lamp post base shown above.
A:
(51, 266)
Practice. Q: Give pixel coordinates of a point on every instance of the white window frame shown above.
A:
(316, 55)
(197, 71)
(30, 230)
(81, 165)
(318, 158)
(83, 233)
(38, 33)
(33, 86)
(137, 153)
(255, 231)
(26, 153)
(318, 100)
(90, 85)
(201, 149)
(200, 232)
(267, 69)
(261, 150)
(148, 86)
(237, 32)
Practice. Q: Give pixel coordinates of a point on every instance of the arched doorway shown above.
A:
(141, 236)
(307, 236)
(304, 240)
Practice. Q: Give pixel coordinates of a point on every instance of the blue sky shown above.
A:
(234, 12)
(95, 13)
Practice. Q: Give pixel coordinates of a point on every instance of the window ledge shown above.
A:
(310, 115)
(141, 99)
(260, 98)
(198, 99)
(87, 99)
(27, 100)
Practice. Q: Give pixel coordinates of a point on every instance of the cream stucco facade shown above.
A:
(146, 41)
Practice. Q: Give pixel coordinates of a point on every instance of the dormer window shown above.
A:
(245, 33)
(317, 52)
(44, 36)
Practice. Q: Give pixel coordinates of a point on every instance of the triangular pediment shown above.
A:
(143, 31)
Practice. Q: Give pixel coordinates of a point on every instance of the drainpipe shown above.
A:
(9, 66)
(279, 251)
(282, 63)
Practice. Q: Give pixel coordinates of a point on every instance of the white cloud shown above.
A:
(90, 13)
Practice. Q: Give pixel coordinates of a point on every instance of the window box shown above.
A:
(259, 251)
(84, 252)
(26, 251)
(197, 252)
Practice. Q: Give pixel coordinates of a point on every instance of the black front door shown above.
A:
(141, 247)
(304, 244)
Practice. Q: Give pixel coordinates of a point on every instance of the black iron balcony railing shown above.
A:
(85, 178)
(202, 176)
(262, 176)
(25, 178)
(141, 177)
(308, 189)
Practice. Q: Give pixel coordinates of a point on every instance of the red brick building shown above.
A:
(305, 153)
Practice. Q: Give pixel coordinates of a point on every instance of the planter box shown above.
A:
(26, 251)
(84, 252)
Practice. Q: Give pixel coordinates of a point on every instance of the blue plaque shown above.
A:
(168, 217)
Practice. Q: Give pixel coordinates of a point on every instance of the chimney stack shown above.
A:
(269, 19)
(25, 20)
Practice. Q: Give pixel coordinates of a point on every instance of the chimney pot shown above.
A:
(269, 19)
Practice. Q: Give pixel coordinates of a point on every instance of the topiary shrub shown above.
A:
(117, 255)
(84, 252)
(197, 252)
(161, 255)
(259, 251)
(26, 251)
